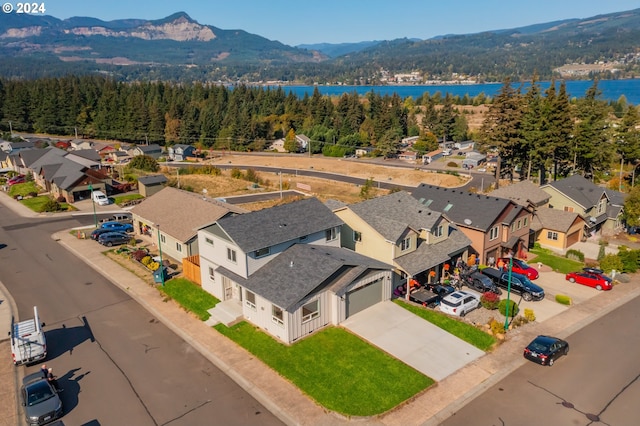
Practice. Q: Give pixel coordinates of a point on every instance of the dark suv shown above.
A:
(480, 282)
(519, 283)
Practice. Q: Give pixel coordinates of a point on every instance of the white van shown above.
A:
(100, 198)
(28, 344)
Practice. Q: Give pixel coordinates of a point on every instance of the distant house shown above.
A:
(429, 157)
(525, 193)
(464, 145)
(154, 151)
(473, 160)
(149, 185)
(277, 145)
(118, 157)
(180, 152)
(14, 147)
(410, 156)
(363, 151)
(409, 141)
(303, 142)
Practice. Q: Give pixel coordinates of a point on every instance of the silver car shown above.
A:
(40, 400)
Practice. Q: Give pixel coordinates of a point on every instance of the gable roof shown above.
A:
(524, 193)
(304, 269)
(149, 148)
(464, 208)
(152, 180)
(89, 154)
(554, 219)
(584, 192)
(391, 214)
(181, 213)
(279, 224)
(427, 256)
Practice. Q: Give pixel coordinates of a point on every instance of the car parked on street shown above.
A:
(110, 239)
(40, 400)
(118, 226)
(520, 267)
(520, 284)
(545, 350)
(459, 303)
(591, 277)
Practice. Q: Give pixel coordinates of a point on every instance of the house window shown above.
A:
(212, 275)
(568, 209)
(331, 234)
(310, 311)
(163, 239)
(277, 315)
(208, 241)
(525, 221)
(519, 224)
(439, 231)
(250, 299)
(552, 235)
(493, 233)
(357, 236)
(405, 244)
(231, 255)
(513, 227)
(262, 252)
(179, 247)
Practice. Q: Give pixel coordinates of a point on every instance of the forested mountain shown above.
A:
(180, 49)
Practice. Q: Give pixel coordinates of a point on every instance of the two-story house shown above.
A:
(495, 226)
(399, 230)
(283, 269)
(180, 152)
(600, 208)
(154, 151)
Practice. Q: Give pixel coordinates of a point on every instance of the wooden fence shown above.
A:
(191, 269)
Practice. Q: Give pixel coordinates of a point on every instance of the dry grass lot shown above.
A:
(224, 185)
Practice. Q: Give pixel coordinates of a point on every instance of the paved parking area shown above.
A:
(412, 340)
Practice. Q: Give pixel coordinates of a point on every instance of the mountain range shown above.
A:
(179, 48)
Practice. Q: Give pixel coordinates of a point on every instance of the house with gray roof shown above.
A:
(496, 226)
(557, 229)
(601, 208)
(175, 217)
(154, 151)
(180, 152)
(149, 185)
(525, 193)
(13, 147)
(398, 230)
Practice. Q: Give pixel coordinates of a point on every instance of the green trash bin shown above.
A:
(158, 275)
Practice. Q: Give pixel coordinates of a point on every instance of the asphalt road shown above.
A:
(597, 383)
(117, 364)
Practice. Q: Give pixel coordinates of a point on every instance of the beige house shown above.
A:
(398, 230)
(557, 229)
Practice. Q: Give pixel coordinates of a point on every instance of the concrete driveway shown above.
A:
(412, 340)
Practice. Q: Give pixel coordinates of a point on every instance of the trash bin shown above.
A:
(158, 276)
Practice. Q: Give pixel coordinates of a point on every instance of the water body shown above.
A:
(611, 90)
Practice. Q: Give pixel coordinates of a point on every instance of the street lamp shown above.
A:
(506, 320)
(160, 250)
(95, 218)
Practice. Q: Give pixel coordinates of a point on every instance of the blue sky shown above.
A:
(338, 21)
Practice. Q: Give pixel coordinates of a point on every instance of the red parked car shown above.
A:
(16, 179)
(520, 267)
(591, 277)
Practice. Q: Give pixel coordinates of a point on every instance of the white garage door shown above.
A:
(364, 297)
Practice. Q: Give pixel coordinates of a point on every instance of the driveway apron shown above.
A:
(412, 340)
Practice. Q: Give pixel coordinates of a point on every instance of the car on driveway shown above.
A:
(97, 232)
(480, 282)
(520, 267)
(520, 284)
(591, 277)
(40, 400)
(459, 303)
(117, 226)
(16, 179)
(110, 239)
(545, 350)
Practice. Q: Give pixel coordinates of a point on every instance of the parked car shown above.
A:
(459, 303)
(16, 179)
(520, 284)
(520, 267)
(40, 400)
(114, 238)
(97, 232)
(591, 277)
(545, 350)
(118, 226)
(480, 282)
(100, 198)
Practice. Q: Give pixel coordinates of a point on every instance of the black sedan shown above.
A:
(114, 238)
(546, 349)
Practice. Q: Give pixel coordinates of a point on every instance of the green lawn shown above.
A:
(337, 369)
(37, 204)
(458, 328)
(557, 263)
(190, 296)
(124, 198)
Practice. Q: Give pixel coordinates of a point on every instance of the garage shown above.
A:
(364, 297)
(573, 238)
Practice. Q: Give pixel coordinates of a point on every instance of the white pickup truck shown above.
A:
(28, 344)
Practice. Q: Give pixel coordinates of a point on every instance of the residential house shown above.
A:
(398, 230)
(277, 145)
(525, 193)
(410, 156)
(600, 208)
(557, 229)
(363, 151)
(429, 157)
(118, 157)
(473, 159)
(283, 269)
(464, 145)
(87, 157)
(180, 152)
(78, 144)
(173, 217)
(495, 226)
(303, 142)
(14, 147)
(149, 185)
(154, 151)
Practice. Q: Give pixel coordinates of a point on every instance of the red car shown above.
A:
(16, 179)
(591, 277)
(519, 267)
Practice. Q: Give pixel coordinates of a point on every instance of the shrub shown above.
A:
(629, 259)
(495, 326)
(452, 164)
(236, 173)
(610, 262)
(153, 266)
(513, 308)
(519, 321)
(601, 252)
(563, 299)
(529, 315)
(61, 199)
(138, 255)
(575, 255)
(146, 260)
(32, 194)
(489, 300)
(51, 206)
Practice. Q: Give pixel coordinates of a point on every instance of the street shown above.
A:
(597, 383)
(117, 363)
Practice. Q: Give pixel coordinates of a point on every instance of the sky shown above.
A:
(344, 21)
